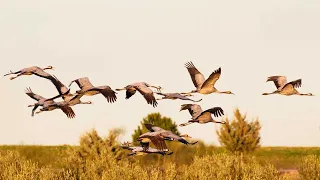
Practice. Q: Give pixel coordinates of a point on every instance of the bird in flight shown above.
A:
(204, 86)
(286, 88)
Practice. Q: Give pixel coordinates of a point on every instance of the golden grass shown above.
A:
(96, 158)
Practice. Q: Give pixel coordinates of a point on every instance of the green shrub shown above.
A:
(240, 136)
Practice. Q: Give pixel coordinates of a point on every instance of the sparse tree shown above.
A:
(239, 135)
(157, 120)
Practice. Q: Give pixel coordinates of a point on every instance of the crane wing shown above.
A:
(83, 82)
(107, 92)
(216, 111)
(62, 89)
(212, 79)
(153, 128)
(158, 142)
(194, 109)
(196, 76)
(170, 134)
(279, 81)
(130, 93)
(147, 94)
(68, 111)
(291, 85)
(156, 138)
(41, 73)
(34, 96)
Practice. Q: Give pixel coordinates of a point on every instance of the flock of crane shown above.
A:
(156, 135)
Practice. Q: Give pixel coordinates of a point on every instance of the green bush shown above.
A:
(240, 136)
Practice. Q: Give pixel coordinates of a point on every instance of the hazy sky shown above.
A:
(120, 42)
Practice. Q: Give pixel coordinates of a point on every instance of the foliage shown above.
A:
(157, 120)
(216, 166)
(240, 136)
(96, 158)
(310, 167)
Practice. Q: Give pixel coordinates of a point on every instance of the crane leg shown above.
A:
(12, 78)
(12, 73)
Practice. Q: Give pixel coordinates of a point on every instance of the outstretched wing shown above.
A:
(156, 138)
(291, 85)
(147, 94)
(194, 109)
(62, 89)
(108, 93)
(159, 142)
(68, 111)
(170, 134)
(196, 76)
(41, 73)
(296, 83)
(212, 79)
(279, 81)
(83, 82)
(216, 111)
(153, 128)
(130, 92)
(34, 96)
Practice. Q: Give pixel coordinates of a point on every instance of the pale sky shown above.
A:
(116, 43)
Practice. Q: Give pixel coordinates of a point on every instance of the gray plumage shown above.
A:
(168, 135)
(156, 138)
(143, 149)
(202, 117)
(86, 88)
(286, 88)
(204, 86)
(45, 103)
(143, 89)
(68, 98)
(61, 88)
(194, 109)
(59, 105)
(175, 96)
(34, 70)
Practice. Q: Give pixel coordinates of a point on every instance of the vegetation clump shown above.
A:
(239, 135)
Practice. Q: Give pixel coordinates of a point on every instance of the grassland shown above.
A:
(103, 158)
(280, 157)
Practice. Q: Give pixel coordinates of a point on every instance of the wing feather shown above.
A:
(153, 128)
(216, 111)
(279, 81)
(83, 82)
(62, 89)
(68, 111)
(194, 109)
(41, 73)
(147, 94)
(212, 79)
(34, 96)
(196, 76)
(291, 85)
(108, 93)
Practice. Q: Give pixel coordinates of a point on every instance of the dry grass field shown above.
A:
(96, 158)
